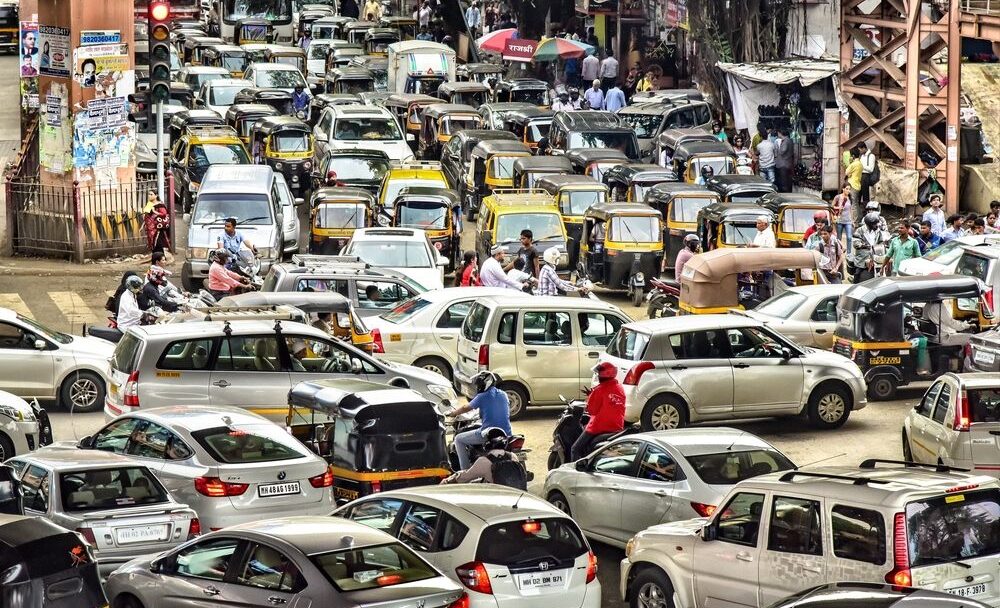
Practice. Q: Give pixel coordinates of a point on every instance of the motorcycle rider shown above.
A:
(606, 407)
(549, 282)
(231, 241)
(222, 281)
(874, 207)
(129, 311)
(870, 241)
(151, 294)
(497, 465)
(494, 412)
(692, 242)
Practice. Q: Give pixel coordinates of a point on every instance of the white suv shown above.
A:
(905, 524)
(360, 127)
(697, 368)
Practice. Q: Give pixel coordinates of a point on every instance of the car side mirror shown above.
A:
(709, 533)
(40, 345)
(582, 465)
(320, 136)
(355, 366)
(187, 218)
(786, 353)
(442, 261)
(86, 443)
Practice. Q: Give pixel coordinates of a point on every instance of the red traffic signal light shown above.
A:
(159, 10)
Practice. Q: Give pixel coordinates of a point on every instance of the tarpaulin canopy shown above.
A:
(786, 71)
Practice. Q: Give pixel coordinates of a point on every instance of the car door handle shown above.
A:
(210, 590)
(531, 353)
(593, 355)
(221, 383)
(661, 493)
(447, 337)
(743, 556)
(741, 365)
(275, 600)
(821, 331)
(679, 367)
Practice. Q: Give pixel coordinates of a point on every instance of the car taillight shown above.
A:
(462, 602)
(324, 480)
(702, 509)
(130, 394)
(377, 345)
(967, 350)
(474, 576)
(962, 413)
(484, 355)
(376, 486)
(900, 573)
(194, 529)
(591, 567)
(988, 298)
(88, 535)
(634, 374)
(216, 488)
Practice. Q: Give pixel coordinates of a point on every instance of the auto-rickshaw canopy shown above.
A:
(269, 125)
(330, 27)
(584, 158)
(340, 194)
(438, 118)
(662, 193)
(687, 149)
(529, 90)
(542, 166)
(472, 93)
(241, 116)
(479, 72)
(425, 198)
(354, 80)
(740, 188)
(709, 280)
(605, 211)
(880, 292)
(672, 138)
(490, 147)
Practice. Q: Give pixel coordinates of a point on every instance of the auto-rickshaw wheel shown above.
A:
(882, 388)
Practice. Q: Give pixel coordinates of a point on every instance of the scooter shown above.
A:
(470, 421)
(572, 421)
(663, 298)
(248, 265)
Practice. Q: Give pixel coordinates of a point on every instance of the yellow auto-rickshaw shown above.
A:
(439, 122)
(574, 194)
(288, 55)
(285, 143)
(228, 56)
(408, 109)
(722, 225)
(491, 167)
(691, 156)
(621, 246)
(334, 215)
(430, 210)
(241, 116)
(794, 213)
(679, 203)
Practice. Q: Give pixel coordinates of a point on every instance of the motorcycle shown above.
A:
(470, 421)
(112, 333)
(663, 298)
(248, 265)
(572, 421)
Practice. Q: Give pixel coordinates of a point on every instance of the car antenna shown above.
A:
(519, 496)
(821, 460)
(735, 440)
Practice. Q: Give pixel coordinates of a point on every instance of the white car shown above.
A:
(944, 259)
(407, 250)
(275, 76)
(423, 331)
(36, 361)
(806, 314)
(19, 426)
(289, 215)
(196, 75)
(507, 548)
(352, 127)
(219, 94)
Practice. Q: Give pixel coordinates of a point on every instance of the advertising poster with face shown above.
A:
(30, 57)
(54, 44)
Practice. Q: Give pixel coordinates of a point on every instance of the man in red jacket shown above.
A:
(606, 406)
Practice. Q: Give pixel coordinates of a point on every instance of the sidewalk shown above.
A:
(41, 267)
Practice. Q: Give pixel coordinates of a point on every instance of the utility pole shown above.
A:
(160, 172)
(159, 78)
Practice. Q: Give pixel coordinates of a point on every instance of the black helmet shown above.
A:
(872, 220)
(707, 171)
(484, 381)
(494, 438)
(133, 283)
(220, 256)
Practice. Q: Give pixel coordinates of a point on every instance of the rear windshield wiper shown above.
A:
(944, 560)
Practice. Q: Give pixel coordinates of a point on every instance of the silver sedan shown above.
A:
(806, 314)
(294, 562)
(641, 480)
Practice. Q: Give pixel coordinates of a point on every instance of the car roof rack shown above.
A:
(308, 259)
(858, 481)
(210, 131)
(416, 164)
(871, 463)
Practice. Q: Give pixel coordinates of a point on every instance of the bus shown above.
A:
(278, 12)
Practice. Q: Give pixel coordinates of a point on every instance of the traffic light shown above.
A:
(159, 50)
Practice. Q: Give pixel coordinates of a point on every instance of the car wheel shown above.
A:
(6, 447)
(663, 413)
(907, 451)
(829, 407)
(557, 500)
(517, 397)
(882, 388)
(651, 589)
(82, 392)
(436, 365)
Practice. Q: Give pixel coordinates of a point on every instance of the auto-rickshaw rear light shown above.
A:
(130, 394)
(214, 487)
(194, 529)
(474, 576)
(962, 488)
(376, 486)
(634, 374)
(324, 480)
(377, 346)
(88, 535)
(962, 413)
(988, 298)
(484, 355)
(591, 567)
(900, 573)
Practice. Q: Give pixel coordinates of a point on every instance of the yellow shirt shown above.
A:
(854, 174)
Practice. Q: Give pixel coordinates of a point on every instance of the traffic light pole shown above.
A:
(159, 151)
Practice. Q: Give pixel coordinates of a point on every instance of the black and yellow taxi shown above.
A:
(506, 212)
(491, 167)
(285, 143)
(679, 204)
(198, 149)
(621, 246)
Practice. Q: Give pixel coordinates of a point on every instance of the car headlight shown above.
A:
(629, 546)
(442, 392)
(197, 253)
(278, 166)
(12, 412)
(307, 165)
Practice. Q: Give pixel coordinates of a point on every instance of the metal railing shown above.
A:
(981, 7)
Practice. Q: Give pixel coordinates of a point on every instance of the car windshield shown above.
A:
(391, 190)
(203, 155)
(739, 233)
(291, 141)
(368, 129)
(545, 226)
(317, 50)
(635, 229)
(957, 526)
(224, 96)
(576, 202)
(421, 214)
(534, 97)
(247, 444)
(234, 63)
(618, 140)
(272, 10)
(196, 80)
(278, 79)
(527, 542)
(58, 336)
(247, 209)
(340, 215)
(644, 125)
(372, 567)
(99, 489)
(797, 220)
(405, 310)
(453, 124)
(727, 468)
(945, 254)
(628, 344)
(782, 306)
(354, 168)
(392, 254)
(686, 209)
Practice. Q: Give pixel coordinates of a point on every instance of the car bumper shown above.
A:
(24, 434)
(463, 384)
(859, 391)
(215, 514)
(633, 409)
(624, 569)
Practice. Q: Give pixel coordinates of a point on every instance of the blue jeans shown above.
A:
(464, 441)
(767, 173)
(847, 229)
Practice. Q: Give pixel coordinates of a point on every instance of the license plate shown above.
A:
(278, 489)
(983, 357)
(541, 580)
(969, 591)
(140, 534)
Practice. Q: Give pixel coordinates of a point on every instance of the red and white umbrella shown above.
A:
(496, 40)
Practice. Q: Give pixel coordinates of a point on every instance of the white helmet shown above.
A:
(551, 255)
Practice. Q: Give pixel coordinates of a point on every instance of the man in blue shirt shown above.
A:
(614, 100)
(300, 99)
(955, 221)
(926, 238)
(231, 241)
(494, 411)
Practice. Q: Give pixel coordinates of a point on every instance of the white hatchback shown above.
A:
(507, 548)
(406, 250)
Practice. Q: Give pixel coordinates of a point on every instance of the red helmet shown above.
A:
(605, 371)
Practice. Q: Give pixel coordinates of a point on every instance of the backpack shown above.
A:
(508, 472)
(875, 175)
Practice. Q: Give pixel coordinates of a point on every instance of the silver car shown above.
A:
(806, 314)
(115, 503)
(638, 481)
(228, 464)
(295, 562)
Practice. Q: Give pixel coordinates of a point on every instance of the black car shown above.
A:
(873, 595)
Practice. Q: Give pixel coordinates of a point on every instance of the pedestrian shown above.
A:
(979, 226)
(784, 161)
(349, 8)
(901, 248)
(614, 100)
(868, 164)
(468, 274)
(766, 159)
(492, 275)
(853, 172)
(473, 18)
(647, 83)
(765, 235)
(631, 81)
(425, 35)
(490, 17)
(842, 210)
(995, 210)
(562, 104)
(571, 71)
(832, 251)
(935, 215)
(718, 132)
(424, 14)
(157, 224)
(590, 69)
(609, 71)
(373, 10)
(954, 229)
(595, 97)
(528, 254)
(970, 223)
(592, 38)
(926, 238)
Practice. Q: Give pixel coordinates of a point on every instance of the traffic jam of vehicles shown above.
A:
(394, 258)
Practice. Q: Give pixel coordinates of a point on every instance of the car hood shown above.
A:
(429, 278)
(88, 346)
(207, 235)
(396, 150)
(682, 528)
(919, 267)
